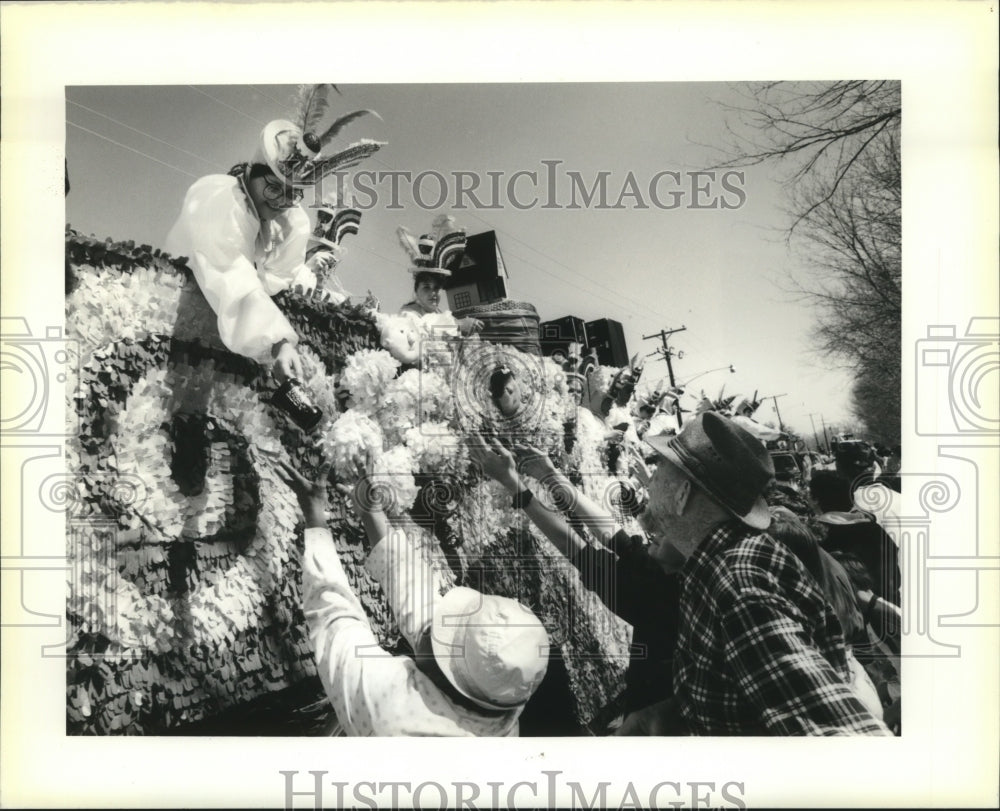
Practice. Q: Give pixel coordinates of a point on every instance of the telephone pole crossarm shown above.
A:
(668, 354)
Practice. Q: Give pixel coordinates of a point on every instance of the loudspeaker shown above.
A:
(608, 338)
(558, 334)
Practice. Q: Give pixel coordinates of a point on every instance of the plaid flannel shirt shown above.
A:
(760, 651)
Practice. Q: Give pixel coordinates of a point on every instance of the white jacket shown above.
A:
(239, 265)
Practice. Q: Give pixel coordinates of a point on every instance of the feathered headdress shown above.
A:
(578, 365)
(623, 385)
(742, 404)
(440, 251)
(332, 225)
(294, 150)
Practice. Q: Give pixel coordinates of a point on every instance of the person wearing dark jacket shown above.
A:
(853, 532)
(620, 571)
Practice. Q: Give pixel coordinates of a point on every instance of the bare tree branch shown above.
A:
(840, 144)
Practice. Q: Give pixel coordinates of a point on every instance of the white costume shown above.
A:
(239, 262)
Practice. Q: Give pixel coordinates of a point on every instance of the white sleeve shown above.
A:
(409, 581)
(217, 233)
(284, 266)
(439, 325)
(342, 639)
(372, 692)
(304, 278)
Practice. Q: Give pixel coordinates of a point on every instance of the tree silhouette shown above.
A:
(839, 142)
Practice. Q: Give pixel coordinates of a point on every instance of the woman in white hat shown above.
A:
(245, 234)
(477, 660)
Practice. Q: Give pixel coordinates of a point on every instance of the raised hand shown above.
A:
(311, 494)
(534, 462)
(365, 495)
(322, 261)
(496, 461)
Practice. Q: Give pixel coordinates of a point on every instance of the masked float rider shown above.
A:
(246, 233)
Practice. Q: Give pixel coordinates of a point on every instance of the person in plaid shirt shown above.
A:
(759, 650)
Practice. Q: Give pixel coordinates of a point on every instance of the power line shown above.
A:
(575, 279)
(571, 270)
(131, 149)
(508, 253)
(367, 250)
(146, 134)
(667, 352)
(228, 106)
(268, 96)
(395, 264)
(577, 275)
(383, 258)
(539, 268)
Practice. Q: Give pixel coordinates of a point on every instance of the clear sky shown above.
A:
(721, 273)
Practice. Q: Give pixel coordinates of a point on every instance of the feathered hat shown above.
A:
(440, 251)
(577, 365)
(293, 150)
(744, 405)
(666, 400)
(332, 225)
(623, 385)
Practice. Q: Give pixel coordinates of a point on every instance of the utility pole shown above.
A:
(774, 397)
(819, 445)
(667, 354)
(826, 436)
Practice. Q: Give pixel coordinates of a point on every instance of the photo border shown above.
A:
(944, 53)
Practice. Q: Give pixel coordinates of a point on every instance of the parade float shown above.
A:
(184, 594)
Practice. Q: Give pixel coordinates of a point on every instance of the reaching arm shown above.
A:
(341, 638)
(498, 463)
(353, 668)
(374, 522)
(616, 580)
(409, 582)
(568, 498)
(372, 692)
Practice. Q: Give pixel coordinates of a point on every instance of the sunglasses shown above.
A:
(281, 194)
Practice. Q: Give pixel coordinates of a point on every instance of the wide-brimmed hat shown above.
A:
(493, 650)
(725, 461)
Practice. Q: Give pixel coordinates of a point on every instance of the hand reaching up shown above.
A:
(534, 462)
(368, 499)
(496, 461)
(311, 495)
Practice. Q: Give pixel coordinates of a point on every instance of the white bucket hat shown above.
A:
(493, 650)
